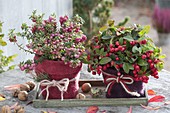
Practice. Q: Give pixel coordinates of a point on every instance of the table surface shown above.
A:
(160, 86)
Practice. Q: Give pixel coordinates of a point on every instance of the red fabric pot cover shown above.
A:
(57, 70)
(117, 91)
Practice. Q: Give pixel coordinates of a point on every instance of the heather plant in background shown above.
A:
(64, 42)
(128, 50)
(161, 19)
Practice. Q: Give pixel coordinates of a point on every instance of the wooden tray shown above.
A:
(102, 101)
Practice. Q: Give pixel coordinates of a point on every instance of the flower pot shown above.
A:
(124, 87)
(164, 38)
(57, 71)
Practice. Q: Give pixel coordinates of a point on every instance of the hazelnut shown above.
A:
(25, 87)
(19, 109)
(86, 87)
(80, 96)
(23, 95)
(31, 84)
(5, 109)
(15, 93)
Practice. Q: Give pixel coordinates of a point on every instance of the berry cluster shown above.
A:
(64, 43)
(128, 50)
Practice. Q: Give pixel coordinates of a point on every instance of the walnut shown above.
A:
(25, 87)
(80, 96)
(86, 87)
(15, 93)
(23, 95)
(5, 109)
(31, 84)
(19, 109)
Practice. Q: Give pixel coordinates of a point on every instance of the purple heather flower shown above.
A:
(63, 19)
(78, 40)
(63, 58)
(76, 56)
(84, 38)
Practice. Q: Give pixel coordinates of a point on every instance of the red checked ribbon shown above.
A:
(110, 80)
(62, 85)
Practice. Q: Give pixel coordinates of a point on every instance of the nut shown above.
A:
(15, 93)
(86, 87)
(80, 96)
(31, 84)
(25, 87)
(23, 95)
(19, 109)
(5, 109)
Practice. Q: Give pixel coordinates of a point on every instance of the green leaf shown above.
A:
(105, 60)
(162, 56)
(121, 41)
(101, 51)
(11, 67)
(145, 30)
(129, 38)
(126, 67)
(142, 62)
(106, 37)
(103, 28)
(1, 36)
(111, 23)
(136, 49)
(2, 43)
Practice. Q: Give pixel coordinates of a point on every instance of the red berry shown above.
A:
(120, 65)
(143, 56)
(117, 66)
(123, 49)
(151, 65)
(149, 61)
(137, 67)
(124, 42)
(156, 61)
(144, 41)
(112, 63)
(135, 75)
(107, 65)
(112, 50)
(94, 72)
(104, 67)
(117, 58)
(116, 49)
(134, 72)
(117, 43)
(100, 67)
(120, 48)
(98, 72)
(118, 73)
(111, 45)
(156, 76)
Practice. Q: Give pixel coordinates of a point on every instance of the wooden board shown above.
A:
(40, 103)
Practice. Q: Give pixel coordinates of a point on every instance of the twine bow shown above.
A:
(62, 85)
(123, 80)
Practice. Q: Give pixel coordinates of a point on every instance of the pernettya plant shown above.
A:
(4, 60)
(48, 41)
(126, 49)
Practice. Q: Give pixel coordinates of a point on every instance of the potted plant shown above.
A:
(161, 17)
(126, 57)
(59, 53)
(5, 60)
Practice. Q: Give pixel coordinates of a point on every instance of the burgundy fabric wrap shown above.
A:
(117, 91)
(57, 70)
